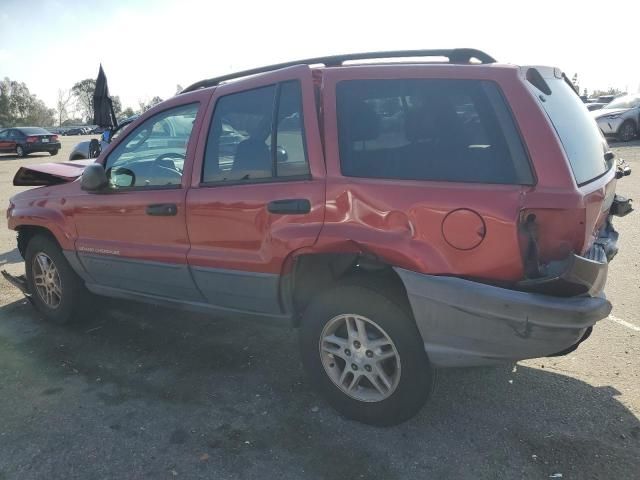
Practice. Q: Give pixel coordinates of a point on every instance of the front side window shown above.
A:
(257, 135)
(153, 154)
(441, 130)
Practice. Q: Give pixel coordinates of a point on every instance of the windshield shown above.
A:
(624, 102)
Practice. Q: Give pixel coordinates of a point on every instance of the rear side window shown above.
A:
(257, 135)
(579, 133)
(442, 130)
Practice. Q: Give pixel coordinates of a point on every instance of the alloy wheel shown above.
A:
(47, 280)
(360, 358)
(627, 132)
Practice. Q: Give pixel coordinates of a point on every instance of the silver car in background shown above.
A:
(81, 150)
(620, 118)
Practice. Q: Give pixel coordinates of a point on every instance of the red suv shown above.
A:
(404, 216)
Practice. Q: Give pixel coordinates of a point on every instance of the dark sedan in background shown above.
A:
(22, 141)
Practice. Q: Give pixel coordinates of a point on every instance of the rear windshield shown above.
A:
(429, 129)
(34, 131)
(579, 133)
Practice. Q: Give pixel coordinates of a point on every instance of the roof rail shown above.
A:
(455, 55)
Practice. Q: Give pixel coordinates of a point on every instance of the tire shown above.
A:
(53, 152)
(627, 131)
(71, 298)
(20, 151)
(407, 370)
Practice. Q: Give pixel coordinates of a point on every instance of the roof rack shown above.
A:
(456, 55)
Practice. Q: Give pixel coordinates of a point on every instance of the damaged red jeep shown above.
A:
(448, 211)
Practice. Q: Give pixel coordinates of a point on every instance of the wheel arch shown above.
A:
(27, 232)
(313, 273)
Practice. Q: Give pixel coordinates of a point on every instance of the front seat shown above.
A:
(253, 158)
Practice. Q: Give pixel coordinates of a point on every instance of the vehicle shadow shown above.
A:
(236, 391)
(13, 156)
(624, 145)
(12, 256)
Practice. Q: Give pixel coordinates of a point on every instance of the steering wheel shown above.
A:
(168, 155)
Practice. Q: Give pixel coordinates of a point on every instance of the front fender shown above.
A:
(52, 220)
(80, 151)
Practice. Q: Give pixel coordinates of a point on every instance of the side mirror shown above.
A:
(93, 178)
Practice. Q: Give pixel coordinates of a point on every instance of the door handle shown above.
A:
(291, 206)
(162, 210)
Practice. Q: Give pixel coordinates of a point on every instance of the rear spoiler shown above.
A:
(46, 174)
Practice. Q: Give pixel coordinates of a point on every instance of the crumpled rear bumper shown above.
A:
(467, 323)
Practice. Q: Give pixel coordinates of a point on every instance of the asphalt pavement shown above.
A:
(136, 391)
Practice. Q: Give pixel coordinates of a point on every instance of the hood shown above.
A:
(608, 111)
(50, 173)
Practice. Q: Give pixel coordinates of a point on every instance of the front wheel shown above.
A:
(627, 131)
(57, 291)
(365, 354)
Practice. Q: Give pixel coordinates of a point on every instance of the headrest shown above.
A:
(421, 125)
(360, 121)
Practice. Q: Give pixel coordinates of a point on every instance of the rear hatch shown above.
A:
(584, 145)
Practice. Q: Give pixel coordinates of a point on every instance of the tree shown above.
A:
(144, 106)
(40, 114)
(576, 83)
(128, 112)
(62, 104)
(117, 105)
(83, 93)
(71, 121)
(18, 107)
(609, 91)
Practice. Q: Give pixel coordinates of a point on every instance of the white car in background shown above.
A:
(620, 118)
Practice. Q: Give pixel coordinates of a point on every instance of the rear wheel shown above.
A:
(20, 151)
(365, 355)
(53, 152)
(627, 131)
(57, 291)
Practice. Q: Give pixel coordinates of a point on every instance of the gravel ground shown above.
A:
(139, 392)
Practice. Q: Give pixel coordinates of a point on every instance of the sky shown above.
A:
(147, 47)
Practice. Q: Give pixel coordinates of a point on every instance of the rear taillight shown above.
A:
(54, 138)
(32, 139)
(548, 234)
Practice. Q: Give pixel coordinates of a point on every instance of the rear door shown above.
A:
(257, 189)
(425, 167)
(133, 236)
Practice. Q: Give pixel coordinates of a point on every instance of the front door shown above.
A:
(257, 191)
(133, 236)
